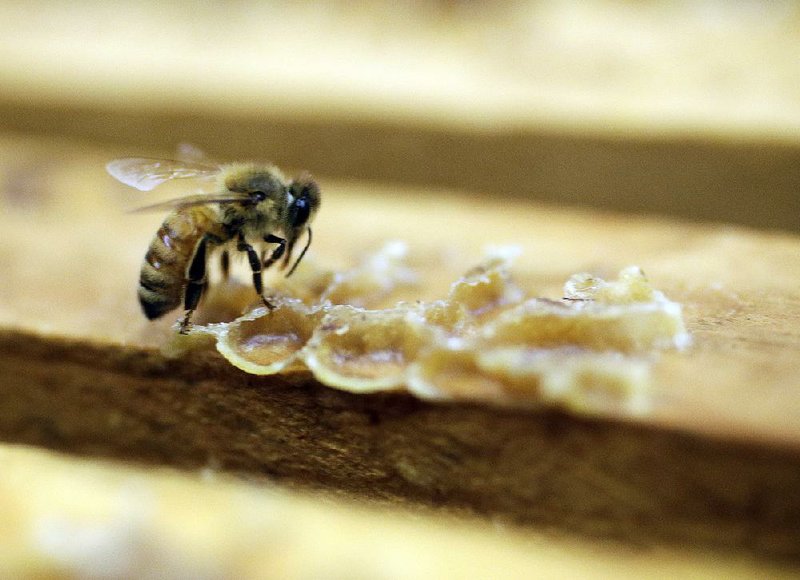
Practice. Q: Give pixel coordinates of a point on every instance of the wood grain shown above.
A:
(716, 462)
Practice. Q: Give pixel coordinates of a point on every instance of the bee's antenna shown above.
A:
(303, 253)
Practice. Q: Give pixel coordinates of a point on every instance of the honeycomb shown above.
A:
(361, 330)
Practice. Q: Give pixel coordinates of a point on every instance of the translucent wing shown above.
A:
(198, 199)
(144, 174)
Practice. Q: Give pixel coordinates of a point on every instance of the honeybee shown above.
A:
(250, 204)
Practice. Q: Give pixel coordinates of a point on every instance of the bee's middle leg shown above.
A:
(225, 264)
(255, 266)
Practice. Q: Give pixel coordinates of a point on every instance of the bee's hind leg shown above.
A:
(195, 284)
(255, 266)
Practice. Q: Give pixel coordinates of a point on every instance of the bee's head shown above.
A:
(304, 201)
(303, 204)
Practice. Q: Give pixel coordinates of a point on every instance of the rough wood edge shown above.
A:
(620, 481)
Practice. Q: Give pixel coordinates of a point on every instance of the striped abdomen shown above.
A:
(162, 279)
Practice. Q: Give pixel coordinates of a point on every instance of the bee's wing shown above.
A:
(145, 174)
(198, 199)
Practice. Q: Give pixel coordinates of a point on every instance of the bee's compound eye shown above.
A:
(300, 212)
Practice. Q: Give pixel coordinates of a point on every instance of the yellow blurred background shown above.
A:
(689, 109)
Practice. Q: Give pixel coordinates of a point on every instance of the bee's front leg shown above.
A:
(277, 252)
(255, 266)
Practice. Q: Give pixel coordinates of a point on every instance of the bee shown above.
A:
(250, 205)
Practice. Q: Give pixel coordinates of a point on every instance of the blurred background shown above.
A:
(688, 109)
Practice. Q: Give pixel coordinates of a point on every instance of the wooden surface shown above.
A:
(715, 463)
(68, 238)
